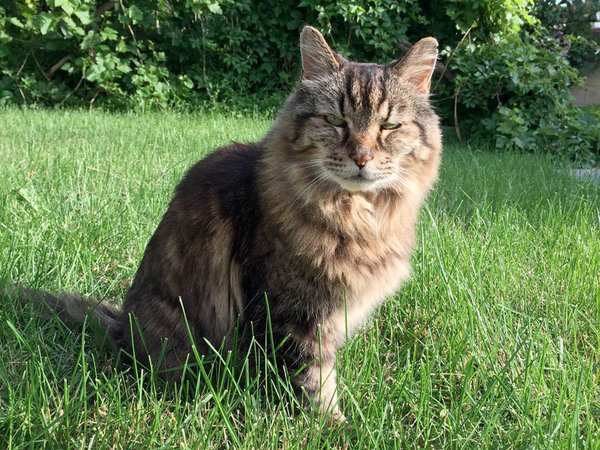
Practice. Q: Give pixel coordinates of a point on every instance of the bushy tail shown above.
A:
(71, 309)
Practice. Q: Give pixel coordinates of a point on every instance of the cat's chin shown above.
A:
(356, 184)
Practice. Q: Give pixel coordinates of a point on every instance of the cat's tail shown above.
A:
(70, 308)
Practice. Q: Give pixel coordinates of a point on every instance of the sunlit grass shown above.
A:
(495, 341)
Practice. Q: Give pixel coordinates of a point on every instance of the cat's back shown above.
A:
(216, 204)
(225, 173)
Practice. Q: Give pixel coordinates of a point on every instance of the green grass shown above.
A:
(494, 343)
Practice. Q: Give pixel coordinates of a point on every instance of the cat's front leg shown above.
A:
(309, 351)
(318, 382)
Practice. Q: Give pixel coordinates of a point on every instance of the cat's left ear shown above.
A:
(317, 57)
(418, 64)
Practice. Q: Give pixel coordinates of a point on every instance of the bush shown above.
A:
(160, 53)
(569, 21)
(63, 51)
(514, 89)
(511, 82)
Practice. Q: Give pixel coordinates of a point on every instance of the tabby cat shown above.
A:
(318, 218)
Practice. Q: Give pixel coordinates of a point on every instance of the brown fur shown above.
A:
(319, 217)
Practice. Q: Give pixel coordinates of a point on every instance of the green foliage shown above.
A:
(161, 52)
(450, 19)
(512, 77)
(490, 16)
(65, 51)
(570, 20)
(519, 85)
(368, 30)
(570, 16)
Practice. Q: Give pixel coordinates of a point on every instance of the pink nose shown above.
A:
(361, 158)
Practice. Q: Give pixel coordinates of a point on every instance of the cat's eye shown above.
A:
(391, 126)
(334, 120)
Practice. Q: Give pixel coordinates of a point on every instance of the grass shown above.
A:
(494, 343)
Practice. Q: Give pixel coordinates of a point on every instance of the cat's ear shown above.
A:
(317, 57)
(418, 64)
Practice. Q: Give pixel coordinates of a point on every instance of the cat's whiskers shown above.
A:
(306, 176)
(400, 185)
(397, 190)
(408, 172)
(323, 176)
(303, 164)
(318, 180)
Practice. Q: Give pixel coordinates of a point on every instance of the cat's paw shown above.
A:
(338, 417)
(337, 420)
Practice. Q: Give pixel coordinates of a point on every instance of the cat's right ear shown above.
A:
(317, 57)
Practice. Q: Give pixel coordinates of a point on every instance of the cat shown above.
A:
(315, 222)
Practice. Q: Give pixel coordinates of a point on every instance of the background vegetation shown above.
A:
(512, 60)
(494, 344)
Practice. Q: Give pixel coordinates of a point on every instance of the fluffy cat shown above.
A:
(319, 217)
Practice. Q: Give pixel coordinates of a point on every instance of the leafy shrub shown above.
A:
(164, 52)
(514, 89)
(160, 53)
(570, 20)
(69, 51)
(511, 85)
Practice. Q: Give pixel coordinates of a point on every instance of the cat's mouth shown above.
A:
(358, 182)
(360, 178)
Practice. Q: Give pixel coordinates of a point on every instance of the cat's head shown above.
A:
(362, 126)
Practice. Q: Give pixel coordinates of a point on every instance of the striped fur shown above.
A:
(319, 216)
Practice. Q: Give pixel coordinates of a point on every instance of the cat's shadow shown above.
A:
(251, 378)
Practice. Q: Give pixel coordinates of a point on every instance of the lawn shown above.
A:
(494, 343)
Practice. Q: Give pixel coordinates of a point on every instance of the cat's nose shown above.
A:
(361, 157)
